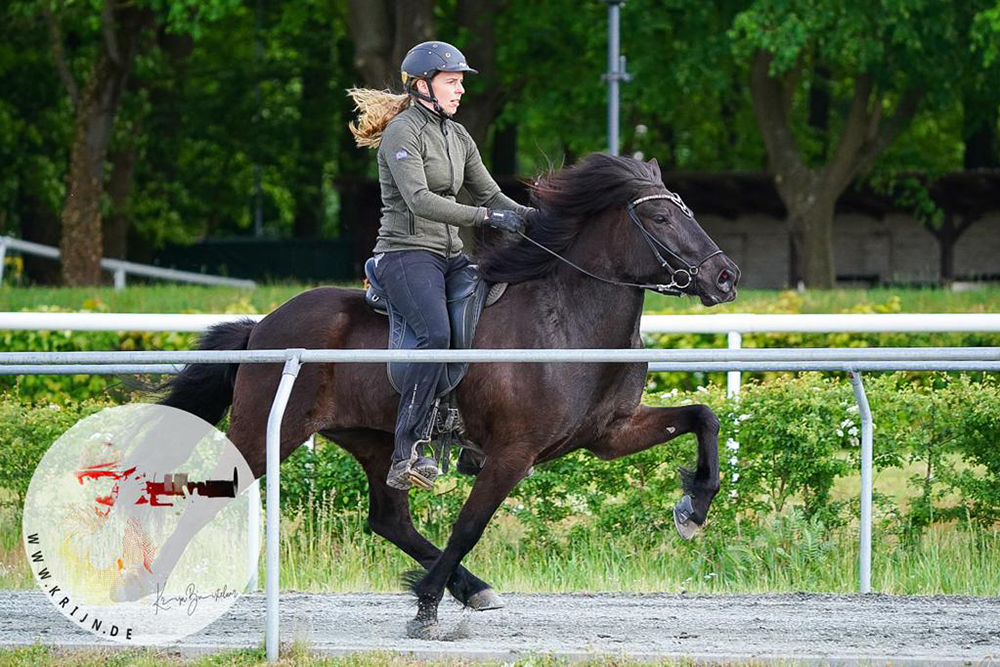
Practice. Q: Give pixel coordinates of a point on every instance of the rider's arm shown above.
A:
(401, 148)
(480, 185)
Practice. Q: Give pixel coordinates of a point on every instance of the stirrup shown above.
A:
(417, 470)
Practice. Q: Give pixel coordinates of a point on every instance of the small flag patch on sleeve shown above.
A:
(401, 155)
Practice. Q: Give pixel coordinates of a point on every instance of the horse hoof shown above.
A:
(423, 629)
(683, 510)
(485, 600)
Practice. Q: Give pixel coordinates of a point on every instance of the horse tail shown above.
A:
(206, 390)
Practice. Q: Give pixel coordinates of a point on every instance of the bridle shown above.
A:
(675, 287)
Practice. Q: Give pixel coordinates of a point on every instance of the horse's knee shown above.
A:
(706, 419)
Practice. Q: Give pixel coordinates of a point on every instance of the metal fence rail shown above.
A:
(849, 359)
(119, 267)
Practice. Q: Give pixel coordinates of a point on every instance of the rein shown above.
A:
(674, 288)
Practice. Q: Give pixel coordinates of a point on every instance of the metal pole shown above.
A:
(3, 258)
(735, 341)
(288, 376)
(616, 71)
(866, 482)
(120, 278)
(613, 49)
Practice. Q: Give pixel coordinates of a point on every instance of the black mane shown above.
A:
(566, 199)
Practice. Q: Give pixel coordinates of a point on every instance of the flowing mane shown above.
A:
(566, 199)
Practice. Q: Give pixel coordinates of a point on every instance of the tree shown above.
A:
(883, 59)
(110, 34)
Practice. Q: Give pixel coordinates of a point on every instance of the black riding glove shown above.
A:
(503, 219)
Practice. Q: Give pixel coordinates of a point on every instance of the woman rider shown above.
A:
(424, 158)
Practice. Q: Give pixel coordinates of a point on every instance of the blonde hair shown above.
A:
(377, 108)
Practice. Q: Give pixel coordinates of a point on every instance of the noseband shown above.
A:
(674, 287)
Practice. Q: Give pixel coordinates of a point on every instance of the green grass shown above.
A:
(174, 298)
(787, 553)
(298, 654)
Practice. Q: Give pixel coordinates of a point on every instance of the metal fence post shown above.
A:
(120, 278)
(288, 376)
(867, 427)
(735, 341)
(3, 258)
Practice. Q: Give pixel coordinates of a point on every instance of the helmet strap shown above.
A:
(428, 98)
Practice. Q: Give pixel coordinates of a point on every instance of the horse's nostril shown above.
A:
(725, 277)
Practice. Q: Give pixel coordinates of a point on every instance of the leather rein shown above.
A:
(675, 287)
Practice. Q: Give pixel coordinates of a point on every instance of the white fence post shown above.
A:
(288, 375)
(120, 278)
(867, 455)
(733, 377)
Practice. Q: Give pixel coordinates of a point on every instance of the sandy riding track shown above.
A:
(808, 627)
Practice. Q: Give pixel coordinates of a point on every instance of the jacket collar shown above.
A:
(429, 114)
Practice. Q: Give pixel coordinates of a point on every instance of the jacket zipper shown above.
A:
(409, 219)
(451, 179)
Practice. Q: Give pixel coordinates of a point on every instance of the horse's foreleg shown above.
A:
(389, 516)
(496, 479)
(649, 426)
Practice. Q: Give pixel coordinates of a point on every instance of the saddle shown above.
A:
(466, 294)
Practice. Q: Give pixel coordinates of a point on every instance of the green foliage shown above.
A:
(26, 433)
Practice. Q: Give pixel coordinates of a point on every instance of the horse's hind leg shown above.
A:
(500, 474)
(649, 426)
(389, 515)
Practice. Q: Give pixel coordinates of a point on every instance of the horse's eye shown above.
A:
(659, 217)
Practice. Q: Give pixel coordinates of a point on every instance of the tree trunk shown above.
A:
(811, 232)
(810, 194)
(116, 225)
(947, 236)
(81, 243)
(383, 31)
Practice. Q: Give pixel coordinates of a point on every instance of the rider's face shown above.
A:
(448, 90)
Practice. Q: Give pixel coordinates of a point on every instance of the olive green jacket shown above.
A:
(423, 161)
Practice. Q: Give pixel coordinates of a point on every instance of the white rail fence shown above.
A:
(119, 267)
(732, 324)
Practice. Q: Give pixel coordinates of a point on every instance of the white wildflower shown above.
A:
(733, 461)
(852, 408)
(735, 477)
(702, 389)
(846, 423)
(742, 418)
(840, 433)
(733, 493)
(732, 445)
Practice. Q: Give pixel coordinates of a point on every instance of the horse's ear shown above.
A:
(656, 168)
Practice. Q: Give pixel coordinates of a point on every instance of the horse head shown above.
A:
(612, 218)
(669, 248)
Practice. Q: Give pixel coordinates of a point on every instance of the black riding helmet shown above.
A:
(425, 60)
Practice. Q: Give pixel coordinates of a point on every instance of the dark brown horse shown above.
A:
(612, 218)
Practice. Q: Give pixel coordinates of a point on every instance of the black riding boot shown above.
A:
(409, 465)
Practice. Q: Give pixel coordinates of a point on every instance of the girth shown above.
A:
(466, 294)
